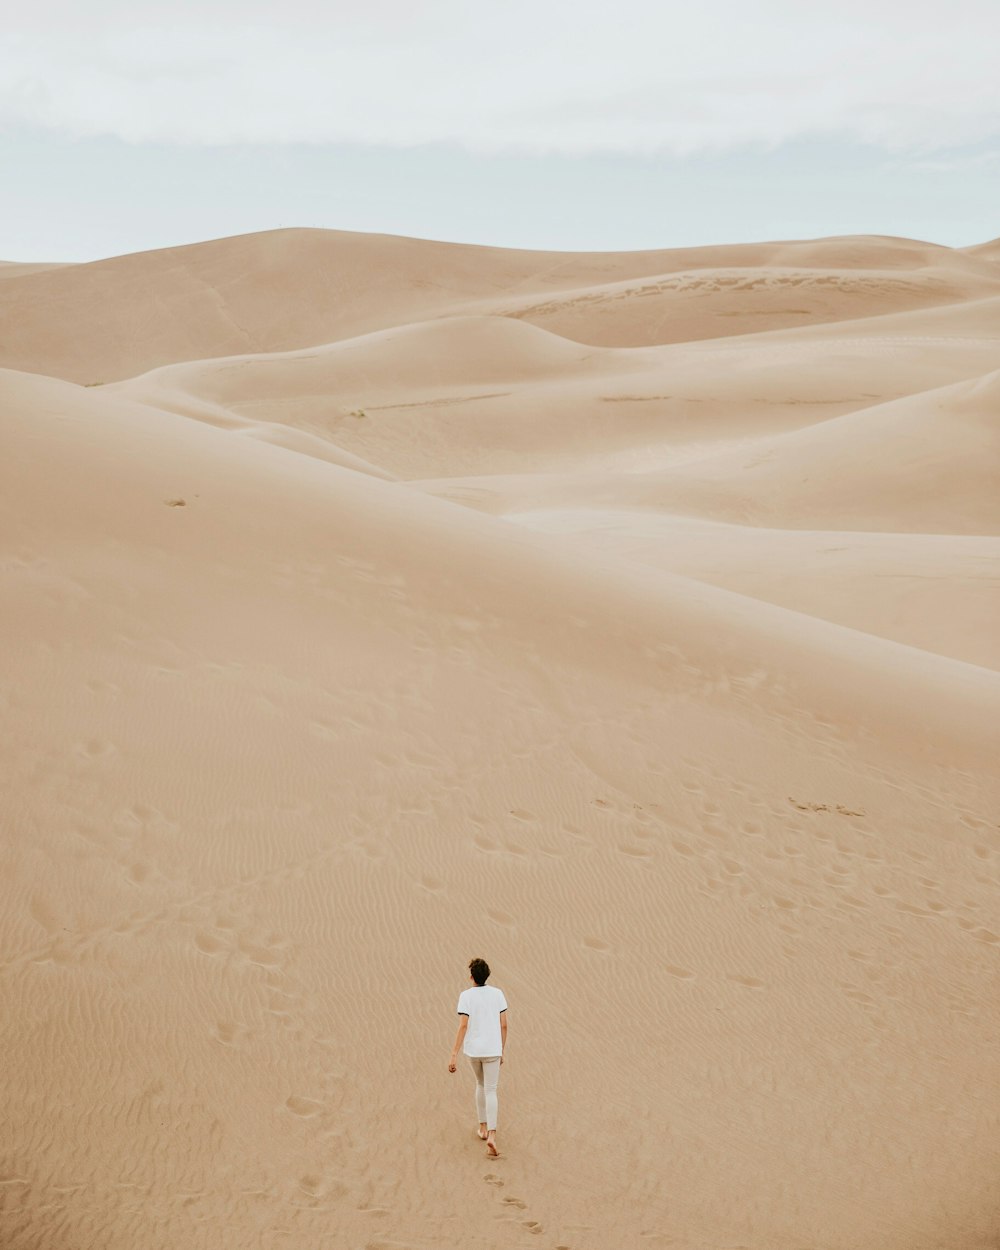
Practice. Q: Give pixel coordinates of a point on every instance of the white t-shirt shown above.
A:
(483, 1005)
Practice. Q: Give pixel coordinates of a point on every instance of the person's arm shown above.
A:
(463, 1024)
(503, 1033)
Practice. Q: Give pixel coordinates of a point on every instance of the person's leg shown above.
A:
(491, 1077)
(477, 1068)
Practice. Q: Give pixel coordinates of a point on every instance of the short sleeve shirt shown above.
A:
(483, 1005)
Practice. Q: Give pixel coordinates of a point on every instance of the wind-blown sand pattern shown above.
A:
(631, 620)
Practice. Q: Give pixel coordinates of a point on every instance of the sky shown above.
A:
(135, 124)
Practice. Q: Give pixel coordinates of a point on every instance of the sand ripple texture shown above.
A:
(631, 620)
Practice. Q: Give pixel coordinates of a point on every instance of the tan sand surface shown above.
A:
(367, 618)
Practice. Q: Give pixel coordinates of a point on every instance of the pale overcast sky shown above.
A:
(128, 124)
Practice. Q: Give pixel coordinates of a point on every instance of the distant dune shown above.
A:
(628, 619)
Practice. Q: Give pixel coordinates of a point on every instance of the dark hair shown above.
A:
(480, 970)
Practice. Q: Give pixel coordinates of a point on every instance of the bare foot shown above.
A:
(491, 1145)
(481, 1133)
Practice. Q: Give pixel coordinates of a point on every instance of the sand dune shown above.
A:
(932, 591)
(714, 303)
(286, 289)
(664, 676)
(923, 464)
(494, 395)
(106, 320)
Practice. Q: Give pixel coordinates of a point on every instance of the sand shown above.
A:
(630, 620)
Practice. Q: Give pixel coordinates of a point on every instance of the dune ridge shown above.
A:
(390, 602)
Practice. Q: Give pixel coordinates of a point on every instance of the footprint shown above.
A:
(44, 915)
(94, 749)
(514, 1202)
(682, 974)
(752, 983)
(431, 883)
(520, 814)
(912, 910)
(824, 807)
(304, 1107)
(260, 955)
(208, 943)
(491, 1178)
(501, 917)
(595, 944)
(532, 1226)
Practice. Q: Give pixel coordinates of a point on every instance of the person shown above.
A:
(482, 1034)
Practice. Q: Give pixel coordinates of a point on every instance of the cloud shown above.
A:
(635, 76)
(956, 162)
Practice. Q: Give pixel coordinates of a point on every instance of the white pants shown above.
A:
(487, 1072)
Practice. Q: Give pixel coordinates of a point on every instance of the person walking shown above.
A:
(482, 1035)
